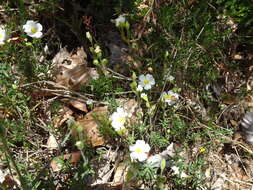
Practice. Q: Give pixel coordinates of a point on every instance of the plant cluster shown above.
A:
(176, 50)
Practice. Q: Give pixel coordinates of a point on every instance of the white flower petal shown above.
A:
(3, 36)
(146, 148)
(39, 27)
(120, 20)
(142, 77)
(142, 156)
(147, 86)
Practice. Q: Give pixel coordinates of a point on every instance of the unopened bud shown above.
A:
(95, 62)
(88, 36)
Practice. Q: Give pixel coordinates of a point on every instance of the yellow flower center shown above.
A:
(1, 36)
(169, 97)
(34, 30)
(121, 119)
(146, 81)
(138, 150)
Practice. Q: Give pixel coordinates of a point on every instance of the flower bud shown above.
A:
(127, 25)
(79, 145)
(104, 61)
(95, 62)
(88, 36)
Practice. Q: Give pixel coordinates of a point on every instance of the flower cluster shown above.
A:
(139, 151)
(119, 119)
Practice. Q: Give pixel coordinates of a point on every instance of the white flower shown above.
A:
(170, 78)
(146, 81)
(3, 36)
(33, 29)
(177, 172)
(119, 118)
(120, 20)
(89, 101)
(139, 88)
(2, 176)
(139, 151)
(170, 97)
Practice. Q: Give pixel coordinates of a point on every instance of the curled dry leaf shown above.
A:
(76, 104)
(64, 114)
(73, 158)
(89, 126)
(71, 69)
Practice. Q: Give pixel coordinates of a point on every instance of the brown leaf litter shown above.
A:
(71, 70)
(90, 126)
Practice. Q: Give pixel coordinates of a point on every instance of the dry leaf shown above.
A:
(52, 143)
(71, 69)
(64, 114)
(229, 99)
(90, 126)
(76, 104)
(120, 173)
(73, 158)
(234, 123)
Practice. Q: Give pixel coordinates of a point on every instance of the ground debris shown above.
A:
(71, 70)
(90, 126)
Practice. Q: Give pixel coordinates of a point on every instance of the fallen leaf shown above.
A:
(76, 104)
(89, 126)
(70, 69)
(229, 99)
(52, 143)
(120, 173)
(64, 114)
(234, 123)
